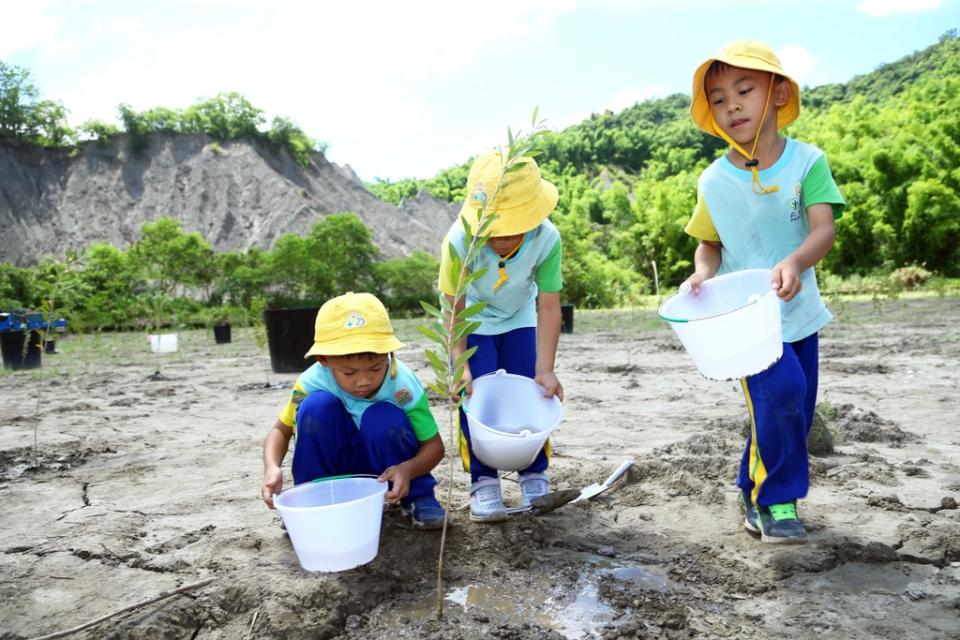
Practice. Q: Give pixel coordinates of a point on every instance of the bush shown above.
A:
(910, 277)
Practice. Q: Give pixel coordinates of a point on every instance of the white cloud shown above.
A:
(882, 8)
(797, 62)
(24, 25)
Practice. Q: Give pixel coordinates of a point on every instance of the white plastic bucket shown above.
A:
(333, 523)
(163, 343)
(732, 328)
(510, 420)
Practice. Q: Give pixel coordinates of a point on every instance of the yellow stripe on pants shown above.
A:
(758, 472)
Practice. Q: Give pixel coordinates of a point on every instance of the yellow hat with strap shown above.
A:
(353, 323)
(745, 54)
(522, 202)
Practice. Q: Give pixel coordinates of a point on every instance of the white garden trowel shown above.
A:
(596, 489)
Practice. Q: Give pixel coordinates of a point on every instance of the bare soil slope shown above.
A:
(236, 194)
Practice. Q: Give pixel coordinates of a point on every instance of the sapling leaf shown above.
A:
(472, 310)
(440, 366)
(463, 357)
(432, 310)
(433, 335)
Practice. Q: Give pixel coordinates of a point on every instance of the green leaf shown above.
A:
(473, 309)
(533, 118)
(463, 357)
(432, 335)
(473, 276)
(432, 310)
(514, 167)
(439, 389)
(440, 366)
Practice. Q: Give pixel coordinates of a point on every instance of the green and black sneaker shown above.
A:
(779, 524)
(750, 519)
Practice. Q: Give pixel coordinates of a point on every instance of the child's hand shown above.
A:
(399, 475)
(552, 384)
(785, 280)
(272, 484)
(693, 283)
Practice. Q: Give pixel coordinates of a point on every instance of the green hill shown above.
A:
(627, 180)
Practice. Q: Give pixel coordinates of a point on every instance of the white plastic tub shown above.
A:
(334, 523)
(732, 328)
(510, 420)
(163, 343)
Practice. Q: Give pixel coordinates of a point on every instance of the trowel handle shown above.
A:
(616, 474)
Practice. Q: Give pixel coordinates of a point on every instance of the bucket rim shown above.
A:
(349, 476)
(714, 316)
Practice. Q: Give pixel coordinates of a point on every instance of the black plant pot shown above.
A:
(14, 356)
(221, 333)
(289, 336)
(566, 318)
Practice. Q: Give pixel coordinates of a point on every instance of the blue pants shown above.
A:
(781, 401)
(515, 352)
(329, 443)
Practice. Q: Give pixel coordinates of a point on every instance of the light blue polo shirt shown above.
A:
(404, 391)
(758, 231)
(533, 268)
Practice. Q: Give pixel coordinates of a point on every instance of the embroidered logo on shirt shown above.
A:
(297, 396)
(403, 396)
(796, 210)
(354, 320)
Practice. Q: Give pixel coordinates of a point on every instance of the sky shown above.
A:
(405, 89)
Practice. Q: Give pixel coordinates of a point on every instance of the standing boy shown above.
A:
(359, 410)
(769, 202)
(520, 326)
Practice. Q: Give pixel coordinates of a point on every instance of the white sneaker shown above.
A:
(533, 485)
(486, 503)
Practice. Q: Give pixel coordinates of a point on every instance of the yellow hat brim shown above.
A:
(700, 106)
(520, 219)
(356, 344)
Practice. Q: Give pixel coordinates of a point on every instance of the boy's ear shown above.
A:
(323, 360)
(781, 92)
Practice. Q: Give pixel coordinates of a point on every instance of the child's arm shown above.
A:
(548, 335)
(274, 449)
(706, 261)
(427, 457)
(785, 279)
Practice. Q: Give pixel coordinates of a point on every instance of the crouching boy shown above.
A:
(359, 410)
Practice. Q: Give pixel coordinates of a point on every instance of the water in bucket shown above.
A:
(731, 329)
(334, 524)
(510, 420)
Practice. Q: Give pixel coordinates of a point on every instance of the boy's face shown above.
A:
(358, 375)
(502, 245)
(737, 97)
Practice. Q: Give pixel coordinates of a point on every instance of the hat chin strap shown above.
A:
(752, 162)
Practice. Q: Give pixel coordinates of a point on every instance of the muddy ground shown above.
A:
(148, 467)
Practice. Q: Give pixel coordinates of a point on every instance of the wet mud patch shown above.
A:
(15, 463)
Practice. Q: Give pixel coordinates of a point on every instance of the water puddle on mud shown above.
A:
(573, 609)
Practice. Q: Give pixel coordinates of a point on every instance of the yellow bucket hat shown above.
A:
(353, 323)
(746, 54)
(524, 200)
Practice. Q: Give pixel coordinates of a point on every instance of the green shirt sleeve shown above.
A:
(548, 275)
(819, 187)
(421, 419)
